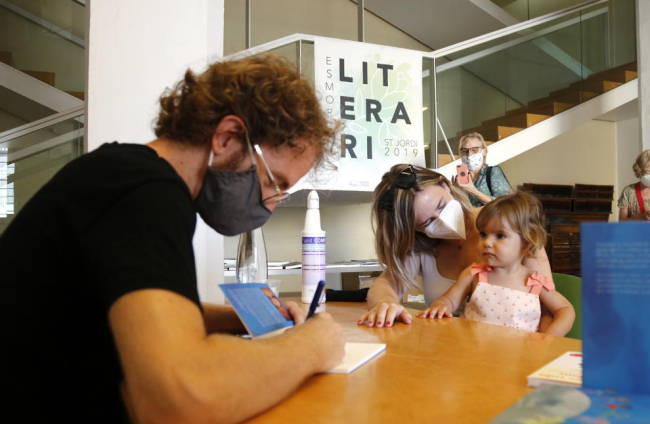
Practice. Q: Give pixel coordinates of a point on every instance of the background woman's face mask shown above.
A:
(450, 224)
(645, 180)
(230, 202)
(474, 161)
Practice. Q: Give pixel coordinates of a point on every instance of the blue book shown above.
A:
(259, 309)
(615, 303)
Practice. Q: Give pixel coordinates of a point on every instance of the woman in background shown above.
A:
(634, 202)
(486, 182)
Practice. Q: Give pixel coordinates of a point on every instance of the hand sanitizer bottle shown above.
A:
(251, 264)
(313, 250)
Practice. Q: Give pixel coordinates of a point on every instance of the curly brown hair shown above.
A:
(267, 92)
(523, 211)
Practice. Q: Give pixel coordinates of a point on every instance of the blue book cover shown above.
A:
(615, 301)
(262, 313)
(559, 404)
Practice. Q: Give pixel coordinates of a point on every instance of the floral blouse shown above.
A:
(629, 200)
(500, 185)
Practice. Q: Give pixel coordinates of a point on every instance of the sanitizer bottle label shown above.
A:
(313, 266)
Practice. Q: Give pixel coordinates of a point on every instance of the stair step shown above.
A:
(46, 77)
(545, 107)
(617, 74)
(550, 108)
(443, 159)
(6, 58)
(595, 85)
(522, 120)
(78, 94)
(565, 95)
(494, 132)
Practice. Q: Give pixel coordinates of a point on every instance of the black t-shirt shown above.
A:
(113, 221)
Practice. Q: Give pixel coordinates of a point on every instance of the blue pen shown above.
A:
(314, 301)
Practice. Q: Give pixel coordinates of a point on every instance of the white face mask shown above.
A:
(474, 161)
(645, 180)
(450, 224)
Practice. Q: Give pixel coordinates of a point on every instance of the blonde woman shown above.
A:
(423, 225)
(634, 203)
(486, 182)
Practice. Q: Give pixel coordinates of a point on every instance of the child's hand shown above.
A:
(438, 309)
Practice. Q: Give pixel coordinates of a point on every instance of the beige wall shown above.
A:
(628, 140)
(584, 155)
(332, 18)
(529, 9)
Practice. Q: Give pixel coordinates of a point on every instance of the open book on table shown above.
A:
(563, 371)
(264, 315)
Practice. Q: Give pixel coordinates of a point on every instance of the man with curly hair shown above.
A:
(104, 322)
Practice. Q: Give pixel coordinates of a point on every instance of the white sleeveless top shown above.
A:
(433, 285)
(506, 306)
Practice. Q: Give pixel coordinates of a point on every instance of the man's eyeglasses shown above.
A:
(405, 180)
(472, 150)
(280, 196)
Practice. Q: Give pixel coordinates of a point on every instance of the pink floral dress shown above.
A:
(506, 306)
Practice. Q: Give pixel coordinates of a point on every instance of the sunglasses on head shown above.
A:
(405, 180)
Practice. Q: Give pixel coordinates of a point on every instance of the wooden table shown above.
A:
(436, 371)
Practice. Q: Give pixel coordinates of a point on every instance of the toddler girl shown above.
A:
(510, 230)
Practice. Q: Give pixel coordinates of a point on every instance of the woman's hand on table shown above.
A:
(385, 314)
(438, 309)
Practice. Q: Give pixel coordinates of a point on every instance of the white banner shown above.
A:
(376, 91)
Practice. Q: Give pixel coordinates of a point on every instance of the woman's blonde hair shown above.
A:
(642, 161)
(394, 223)
(467, 137)
(524, 214)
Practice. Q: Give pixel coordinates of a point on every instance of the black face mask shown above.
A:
(230, 202)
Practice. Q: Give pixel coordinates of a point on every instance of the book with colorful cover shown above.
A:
(260, 310)
(559, 404)
(264, 315)
(563, 371)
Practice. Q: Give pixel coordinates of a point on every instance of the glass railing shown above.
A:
(31, 155)
(45, 39)
(504, 84)
(500, 83)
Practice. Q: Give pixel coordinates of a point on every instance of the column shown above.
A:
(134, 50)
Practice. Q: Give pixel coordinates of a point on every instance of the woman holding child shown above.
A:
(423, 224)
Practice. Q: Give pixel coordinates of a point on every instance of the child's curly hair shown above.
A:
(267, 92)
(524, 214)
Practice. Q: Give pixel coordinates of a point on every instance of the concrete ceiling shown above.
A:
(436, 23)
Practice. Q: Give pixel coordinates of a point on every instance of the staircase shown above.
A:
(44, 76)
(539, 110)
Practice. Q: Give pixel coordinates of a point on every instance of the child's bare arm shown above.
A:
(562, 310)
(446, 304)
(539, 262)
